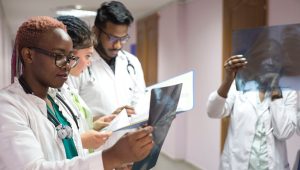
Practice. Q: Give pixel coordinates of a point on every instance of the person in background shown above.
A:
(37, 129)
(290, 44)
(260, 121)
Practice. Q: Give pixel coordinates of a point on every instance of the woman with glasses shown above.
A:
(38, 129)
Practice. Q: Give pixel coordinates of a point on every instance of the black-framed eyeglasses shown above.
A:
(61, 60)
(113, 39)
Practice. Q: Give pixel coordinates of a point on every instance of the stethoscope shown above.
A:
(63, 131)
(130, 69)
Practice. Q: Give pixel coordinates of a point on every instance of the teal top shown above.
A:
(69, 144)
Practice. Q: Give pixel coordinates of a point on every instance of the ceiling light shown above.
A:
(78, 7)
(76, 12)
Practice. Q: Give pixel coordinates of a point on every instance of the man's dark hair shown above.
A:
(114, 12)
(79, 31)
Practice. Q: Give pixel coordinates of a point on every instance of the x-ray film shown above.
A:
(273, 55)
(163, 104)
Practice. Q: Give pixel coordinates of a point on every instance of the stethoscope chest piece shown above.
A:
(64, 131)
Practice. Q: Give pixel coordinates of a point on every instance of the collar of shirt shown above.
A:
(111, 63)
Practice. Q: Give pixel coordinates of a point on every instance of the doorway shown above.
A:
(239, 14)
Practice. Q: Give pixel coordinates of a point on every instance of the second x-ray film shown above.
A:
(273, 55)
(163, 104)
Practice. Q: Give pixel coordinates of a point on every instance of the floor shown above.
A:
(165, 163)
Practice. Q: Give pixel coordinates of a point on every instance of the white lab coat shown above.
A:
(28, 140)
(66, 92)
(103, 91)
(280, 125)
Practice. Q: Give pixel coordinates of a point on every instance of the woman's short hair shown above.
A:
(31, 30)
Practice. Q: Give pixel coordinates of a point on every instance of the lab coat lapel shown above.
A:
(122, 79)
(253, 98)
(120, 70)
(107, 69)
(114, 80)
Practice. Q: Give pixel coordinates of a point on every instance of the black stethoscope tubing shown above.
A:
(52, 119)
(129, 65)
(68, 107)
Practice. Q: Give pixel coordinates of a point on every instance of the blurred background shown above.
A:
(171, 37)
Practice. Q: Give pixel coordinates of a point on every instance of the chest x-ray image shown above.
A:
(273, 56)
(163, 104)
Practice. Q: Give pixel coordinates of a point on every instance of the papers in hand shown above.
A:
(123, 121)
(150, 100)
(118, 122)
(186, 100)
(185, 103)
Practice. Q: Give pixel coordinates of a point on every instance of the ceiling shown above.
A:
(17, 11)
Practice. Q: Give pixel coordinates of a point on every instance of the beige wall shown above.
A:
(190, 38)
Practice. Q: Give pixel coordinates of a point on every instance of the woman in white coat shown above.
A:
(260, 122)
(38, 130)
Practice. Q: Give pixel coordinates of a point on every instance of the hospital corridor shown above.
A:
(140, 84)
